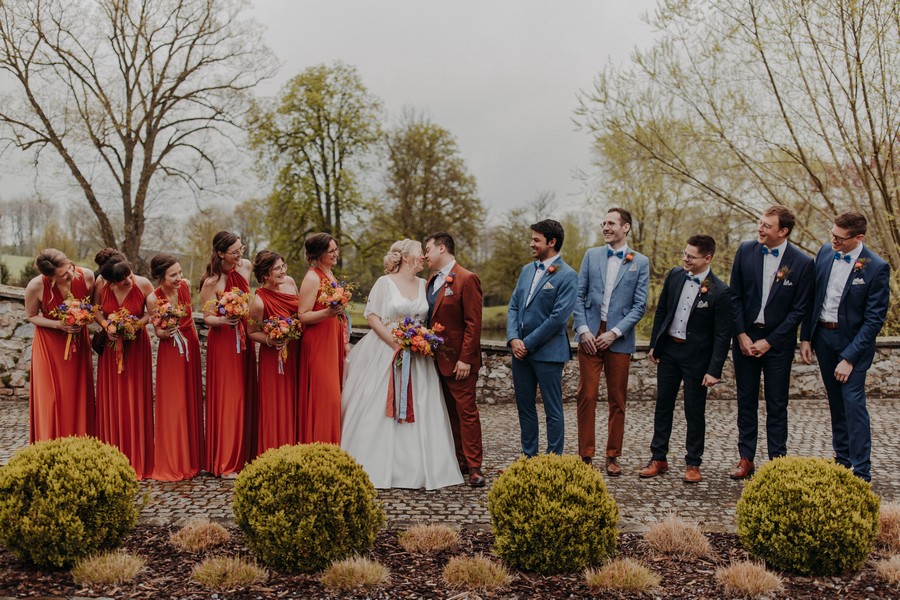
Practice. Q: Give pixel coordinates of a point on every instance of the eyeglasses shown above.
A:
(237, 252)
(335, 251)
(839, 238)
(764, 226)
(687, 256)
(280, 269)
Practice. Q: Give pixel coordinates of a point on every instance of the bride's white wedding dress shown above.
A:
(396, 455)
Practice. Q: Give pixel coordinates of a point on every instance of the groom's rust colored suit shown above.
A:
(457, 306)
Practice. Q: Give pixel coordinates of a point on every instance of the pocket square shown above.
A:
(633, 267)
(859, 281)
(787, 282)
(448, 292)
(703, 304)
(547, 286)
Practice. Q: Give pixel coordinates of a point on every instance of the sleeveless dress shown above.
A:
(179, 396)
(277, 392)
(62, 391)
(321, 374)
(230, 387)
(396, 455)
(125, 400)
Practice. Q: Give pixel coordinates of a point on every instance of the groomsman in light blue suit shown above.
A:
(536, 333)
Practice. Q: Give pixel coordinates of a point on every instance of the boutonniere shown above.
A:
(782, 273)
(860, 264)
(552, 269)
(449, 278)
(628, 257)
(704, 286)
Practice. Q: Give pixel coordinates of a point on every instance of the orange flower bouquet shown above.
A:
(232, 303)
(168, 316)
(126, 326)
(414, 338)
(279, 329)
(75, 313)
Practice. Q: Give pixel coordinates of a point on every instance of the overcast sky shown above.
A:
(501, 76)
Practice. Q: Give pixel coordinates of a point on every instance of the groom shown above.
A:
(454, 301)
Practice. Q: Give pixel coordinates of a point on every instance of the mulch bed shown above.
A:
(415, 576)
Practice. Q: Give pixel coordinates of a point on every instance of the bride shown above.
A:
(394, 454)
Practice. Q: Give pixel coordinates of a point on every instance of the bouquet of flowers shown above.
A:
(126, 326)
(232, 303)
(75, 313)
(279, 329)
(335, 293)
(414, 338)
(168, 316)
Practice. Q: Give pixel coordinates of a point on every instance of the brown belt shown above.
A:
(677, 340)
(828, 325)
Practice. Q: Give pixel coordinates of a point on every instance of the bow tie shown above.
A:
(539, 265)
(773, 252)
(619, 254)
(690, 277)
(844, 257)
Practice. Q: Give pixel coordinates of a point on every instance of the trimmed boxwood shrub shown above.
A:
(552, 514)
(64, 499)
(808, 516)
(303, 507)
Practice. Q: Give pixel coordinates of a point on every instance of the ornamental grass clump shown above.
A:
(748, 580)
(108, 567)
(889, 569)
(889, 526)
(808, 516)
(475, 573)
(552, 514)
(674, 537)
(199, 535)
(356, 572)
(65, 499)
(228, 573)
(428, 539)
(303, 507)
(625, 575)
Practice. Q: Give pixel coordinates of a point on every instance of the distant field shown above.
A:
(16, 264)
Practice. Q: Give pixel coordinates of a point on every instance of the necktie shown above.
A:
(538, 265)
(690, 277)
(844, 257)
(619, 254)
(774, 251)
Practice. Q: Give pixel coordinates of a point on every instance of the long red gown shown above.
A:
(62, 391)
(277, 392)
(125, 400)
(230, 394)
(178, 443)
(321, 375)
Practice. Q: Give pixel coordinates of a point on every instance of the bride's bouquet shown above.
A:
(413, 337)
(75, 313)
(232, 303)
(126, 326)
(284, 329)
(168, 316)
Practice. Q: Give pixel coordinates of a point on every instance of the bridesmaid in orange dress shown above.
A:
(125, 398)
(322, 347)
(230, 365)
(178, 445)
(277, 388)
(62, 389)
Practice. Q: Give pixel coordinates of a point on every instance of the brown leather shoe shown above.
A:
(743, 470)
(612, 466)
(587, 460)
(654, 468)
(476, 477)
(692, 474)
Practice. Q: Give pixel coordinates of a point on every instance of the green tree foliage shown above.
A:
(313, 141)
(506, 246)
(4, 273)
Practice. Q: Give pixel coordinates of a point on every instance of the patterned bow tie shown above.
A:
(690, 277)
(539, 265)
(619, 254)
(844, 257)
(773, 252)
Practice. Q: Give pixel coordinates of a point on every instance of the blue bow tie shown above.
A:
(774, 251)
(690, 277)
(844, 257)
(619, 254)
(539, 265)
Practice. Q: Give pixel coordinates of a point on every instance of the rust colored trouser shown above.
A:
(465, 422)
(615, 366)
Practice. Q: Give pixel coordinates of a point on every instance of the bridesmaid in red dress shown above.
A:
(277, 391)
(125, 399)
(230, 369)
(322, 347)
(178, 445)
(62, 390)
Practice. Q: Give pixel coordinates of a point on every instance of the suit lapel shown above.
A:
(545, 274)
(674, 297)
(785, 262)
(626, 264)
(440, 297)
(757, 258)
(853, 273)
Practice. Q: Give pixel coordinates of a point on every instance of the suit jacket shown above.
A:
(458, 308)
(708, 327)
(790, 296)
(627, 302)
(863, 307)
(541, 323)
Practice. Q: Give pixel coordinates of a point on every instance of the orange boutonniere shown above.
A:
(782, 273)
(629, 257)
(449, 279)
(552, 269)
(860, 264)
(704, 286)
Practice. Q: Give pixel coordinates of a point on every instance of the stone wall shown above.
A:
(495, 377)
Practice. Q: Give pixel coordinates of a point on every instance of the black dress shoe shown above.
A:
(476, 477)
(464, 469)
(587, 460)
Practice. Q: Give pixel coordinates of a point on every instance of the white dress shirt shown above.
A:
(678, 326)
(538, 273)
(613, 264)
(771, 263)
(840, 271)
(441, 276)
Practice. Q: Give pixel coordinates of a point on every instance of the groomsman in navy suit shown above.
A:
(689, 343)
(852, 286)
(771, 287)
(536, 333)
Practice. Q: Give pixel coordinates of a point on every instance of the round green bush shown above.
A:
(64, 499)
(552, 514)
(302, 507)
(808, 516)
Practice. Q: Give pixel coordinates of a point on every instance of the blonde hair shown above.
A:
(394, 258)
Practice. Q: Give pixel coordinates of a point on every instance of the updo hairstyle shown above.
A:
(262, 266)
(316, 245)
(49, 260)
(114, 267)
(161, 263)
(221, 242)
(394, 258)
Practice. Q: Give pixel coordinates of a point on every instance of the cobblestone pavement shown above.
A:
(710, 503)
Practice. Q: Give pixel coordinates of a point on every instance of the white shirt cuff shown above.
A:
(616, 331)
(582, 329)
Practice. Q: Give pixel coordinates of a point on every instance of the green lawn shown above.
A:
(15, 264)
